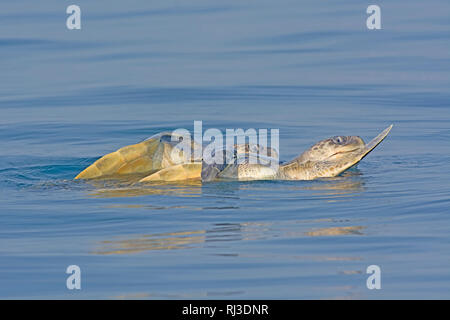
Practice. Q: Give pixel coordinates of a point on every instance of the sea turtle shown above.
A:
(159, 159)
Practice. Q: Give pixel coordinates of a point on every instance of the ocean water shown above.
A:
(310, 70)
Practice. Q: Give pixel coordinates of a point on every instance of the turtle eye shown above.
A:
(338, 140)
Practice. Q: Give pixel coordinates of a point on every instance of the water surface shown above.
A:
(313, 71)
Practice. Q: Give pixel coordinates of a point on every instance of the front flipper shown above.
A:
(179, 172)
(241, 162)
(211, 169)
(142, 158)
(130, 159)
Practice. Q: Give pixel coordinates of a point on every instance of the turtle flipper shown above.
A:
(177, 172)
(144, 157)
(130, 159)
(241, 162)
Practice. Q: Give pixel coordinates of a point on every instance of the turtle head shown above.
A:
(330, 157)
(332, 149)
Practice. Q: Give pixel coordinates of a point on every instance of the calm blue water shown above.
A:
(312, 70)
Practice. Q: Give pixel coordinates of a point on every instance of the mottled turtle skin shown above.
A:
(159, 158)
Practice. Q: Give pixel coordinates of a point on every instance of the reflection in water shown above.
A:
(146, 206)
(224, 195)
(337, 186)
(164, 241)
(220, 232)
(348, 183)
(123, 188)
(337, 231)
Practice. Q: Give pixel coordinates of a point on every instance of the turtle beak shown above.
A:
(356, 156)
(374, 142)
